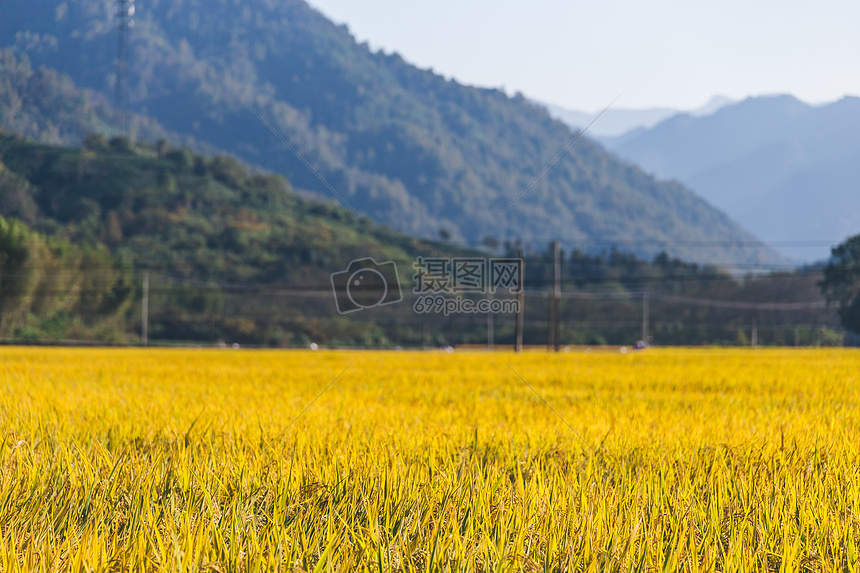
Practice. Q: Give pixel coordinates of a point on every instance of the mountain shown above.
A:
(45, 105)
(194, 217)
(237, 256)
(401, 145)
(225, 247)
(786, 170)
(618, 121)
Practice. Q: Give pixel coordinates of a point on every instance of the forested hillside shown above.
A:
(51, 289)
(204, 225)
(404, 146)
(237, 256)
(45, 105)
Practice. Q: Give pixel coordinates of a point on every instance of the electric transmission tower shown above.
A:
(125, 21)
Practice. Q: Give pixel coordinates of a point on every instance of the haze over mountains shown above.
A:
(402, 145)
(619, 121)
(786, 170)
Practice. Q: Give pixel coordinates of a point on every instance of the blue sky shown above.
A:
(662, 53)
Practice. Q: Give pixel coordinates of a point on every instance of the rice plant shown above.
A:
(214, 460)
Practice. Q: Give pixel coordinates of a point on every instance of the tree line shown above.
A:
(231, 250)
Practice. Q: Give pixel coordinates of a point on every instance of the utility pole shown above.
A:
(550, 324)
(521, 304)
(556, 295)
(491, 335)
(144, 312)
(645, 317)
(754, 336)
(813, 333)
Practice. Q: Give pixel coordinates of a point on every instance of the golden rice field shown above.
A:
(664, 460)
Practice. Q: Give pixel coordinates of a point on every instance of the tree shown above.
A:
(183, 158)
(95, 142)
(162, 148)
(491, 243)
(121, 144)
(841, 282)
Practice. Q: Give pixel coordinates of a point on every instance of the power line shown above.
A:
(713, 303)
(810, 305)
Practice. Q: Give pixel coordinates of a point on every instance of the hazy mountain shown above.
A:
(618, 121)
(784, 169)
(401, 145)
(45, 105)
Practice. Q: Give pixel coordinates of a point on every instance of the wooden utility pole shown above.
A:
(521, 304)
(550, 322)
(645, 317)
(754, 336)
(491, 335)
(144, 312)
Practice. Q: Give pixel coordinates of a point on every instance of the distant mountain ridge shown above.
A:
(402, 145)
(786, 170)
(619, 121)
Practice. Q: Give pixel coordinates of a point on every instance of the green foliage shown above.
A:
(183, 159)
(44, 281)
(120, 144)
(47, 106)
(841, 282)
(614, 282)
(95, 142)
(16, 196)
(208, 222)
(231, 252)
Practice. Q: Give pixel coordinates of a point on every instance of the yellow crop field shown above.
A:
(222, 460)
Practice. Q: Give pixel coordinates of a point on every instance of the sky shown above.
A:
(660, 53)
